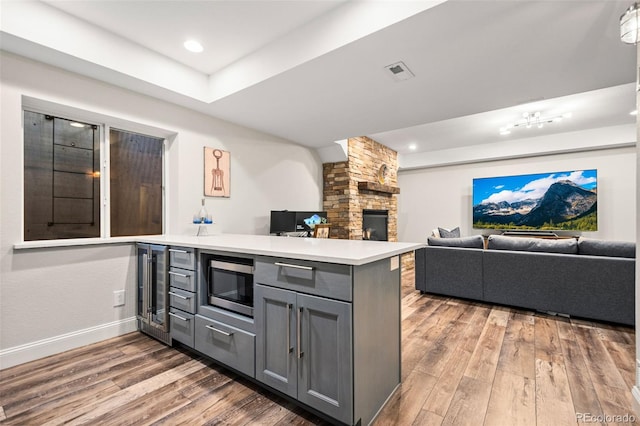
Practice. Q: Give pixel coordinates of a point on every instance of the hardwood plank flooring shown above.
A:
(463, 363)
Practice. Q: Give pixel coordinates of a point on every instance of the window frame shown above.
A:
(105, 123)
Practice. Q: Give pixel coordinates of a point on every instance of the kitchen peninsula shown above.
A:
(319, 322)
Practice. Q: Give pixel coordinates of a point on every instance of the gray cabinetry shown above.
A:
(182, 294)
(304, 341)
(325, 373)
(229, 345)
(276, 340)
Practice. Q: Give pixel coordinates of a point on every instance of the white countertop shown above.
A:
(347, 252)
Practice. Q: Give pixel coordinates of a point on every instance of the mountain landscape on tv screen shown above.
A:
(555, 203)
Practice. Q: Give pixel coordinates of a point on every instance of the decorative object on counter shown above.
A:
(314, 220)
(216, 172)
(203, 229)
(321, 230)
(202, 216)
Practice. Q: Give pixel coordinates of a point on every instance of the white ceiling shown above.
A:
(312, 71)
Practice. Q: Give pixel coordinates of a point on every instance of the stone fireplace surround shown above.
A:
(344, 200)
(353, 186)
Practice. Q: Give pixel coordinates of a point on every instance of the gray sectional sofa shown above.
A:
(584, 278)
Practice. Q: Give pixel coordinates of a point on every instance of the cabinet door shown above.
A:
(274, 316)
(325, 364)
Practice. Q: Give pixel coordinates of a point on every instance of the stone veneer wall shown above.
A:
(342, 199)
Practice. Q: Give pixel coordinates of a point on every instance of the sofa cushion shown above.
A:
(565, 246)
(475, 241)
(449, 233)
(595, 247)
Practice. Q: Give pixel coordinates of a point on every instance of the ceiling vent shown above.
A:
(399, 71)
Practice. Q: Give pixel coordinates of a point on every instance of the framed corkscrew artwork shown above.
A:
(216, 172)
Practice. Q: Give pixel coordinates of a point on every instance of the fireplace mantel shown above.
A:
(377, 187)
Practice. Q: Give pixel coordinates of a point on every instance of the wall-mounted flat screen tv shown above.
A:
(542, 201)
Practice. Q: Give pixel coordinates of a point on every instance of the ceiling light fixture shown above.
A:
(193, 46)
(530, 120)
(630, 24)
(634, 112)
(413, 147)
(76, 124)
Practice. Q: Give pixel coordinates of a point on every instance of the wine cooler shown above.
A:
(152, 291)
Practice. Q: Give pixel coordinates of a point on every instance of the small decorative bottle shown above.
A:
(203, 215)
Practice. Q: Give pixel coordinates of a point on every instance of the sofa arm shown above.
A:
(451, 271)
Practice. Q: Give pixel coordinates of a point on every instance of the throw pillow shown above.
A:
(449, 233)
(475, 241)
(595, 247)
(564, 246)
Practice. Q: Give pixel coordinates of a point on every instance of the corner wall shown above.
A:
(59, 298)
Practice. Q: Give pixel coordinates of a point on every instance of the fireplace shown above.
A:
(375, 225)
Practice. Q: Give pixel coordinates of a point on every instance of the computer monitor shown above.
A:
(282, 221)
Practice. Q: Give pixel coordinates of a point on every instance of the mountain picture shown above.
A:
(543, 201)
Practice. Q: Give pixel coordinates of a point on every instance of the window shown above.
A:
(135, 184)
(63, 180)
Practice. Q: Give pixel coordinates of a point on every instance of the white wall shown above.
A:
(54, 299)
(442, 196)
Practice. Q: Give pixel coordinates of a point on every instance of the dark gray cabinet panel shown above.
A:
(183, 257)
(183, 300)
(183, 296)
(304, 349)
(229, 345)
(182, 326)
(321, 279)
(182, 278)
(326, 360)
(274, 315)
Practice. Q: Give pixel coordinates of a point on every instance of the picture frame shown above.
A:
(217, 165)
(321, 230)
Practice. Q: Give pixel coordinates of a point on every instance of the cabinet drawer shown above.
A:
(183, 300)
(317, 278)
(229, 345)
(182, 327)
(182, 278)
(182, 257)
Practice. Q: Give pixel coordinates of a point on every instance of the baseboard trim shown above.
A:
(64, 342)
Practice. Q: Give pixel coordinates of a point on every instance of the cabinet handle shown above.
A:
(179, 317)
(299, 327)
(145, 287)
(151, 284)
(289, 348)
(290, 265)
(179, 296)
(224, 333)
(178, 251)
(179, 274)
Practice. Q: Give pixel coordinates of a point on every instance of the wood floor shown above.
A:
(463, 363)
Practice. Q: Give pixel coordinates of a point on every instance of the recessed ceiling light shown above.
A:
(193, 46)
(634, 112)
(413, 147)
